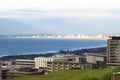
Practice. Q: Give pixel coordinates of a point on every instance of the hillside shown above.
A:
(90, 74)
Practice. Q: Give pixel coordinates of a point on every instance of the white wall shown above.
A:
(90, 59)
(93, 59)
(42, 61)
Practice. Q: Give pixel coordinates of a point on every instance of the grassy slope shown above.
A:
(71, 75)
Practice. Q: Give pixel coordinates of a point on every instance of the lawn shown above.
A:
(90, 74)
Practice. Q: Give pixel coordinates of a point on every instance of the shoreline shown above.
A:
(53, 46)
(54, 51)
(76, 52)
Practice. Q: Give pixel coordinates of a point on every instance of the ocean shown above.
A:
(14, 46)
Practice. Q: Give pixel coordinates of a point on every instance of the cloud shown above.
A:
(47, 5)
(59, 8)
(83, 13)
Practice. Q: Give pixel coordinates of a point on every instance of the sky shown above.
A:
(59, 16)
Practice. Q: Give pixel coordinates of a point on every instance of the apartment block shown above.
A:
(113, 51)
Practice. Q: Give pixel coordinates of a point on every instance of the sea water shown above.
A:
(14, 46)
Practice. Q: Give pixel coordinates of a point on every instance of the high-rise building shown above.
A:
(113, 51)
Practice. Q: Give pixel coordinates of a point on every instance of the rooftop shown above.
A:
(96, 54)
(116, 37)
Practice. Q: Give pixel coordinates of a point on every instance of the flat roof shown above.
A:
(96, 54)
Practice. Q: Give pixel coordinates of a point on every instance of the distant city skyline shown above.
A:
(59, 16)
(59, 36)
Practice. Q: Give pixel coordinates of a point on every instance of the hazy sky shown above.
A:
(59, 16)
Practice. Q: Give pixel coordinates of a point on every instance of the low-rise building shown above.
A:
(41, 62)
(57, 66)
(96, 58)
(65, 62)
(71, 57)
(25, 62)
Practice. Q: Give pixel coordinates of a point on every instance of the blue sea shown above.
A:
(14, 46)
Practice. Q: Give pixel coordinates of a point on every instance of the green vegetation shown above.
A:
(90, 74)
(82, 51)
